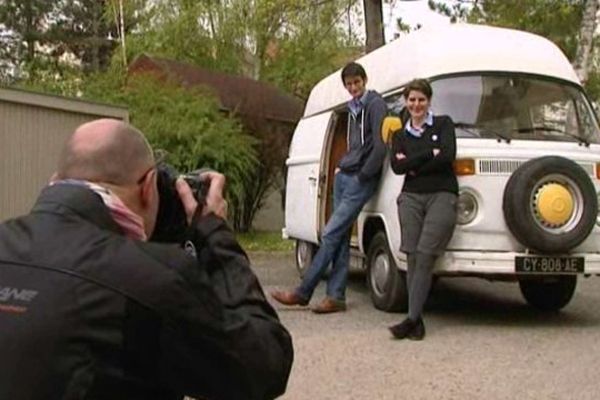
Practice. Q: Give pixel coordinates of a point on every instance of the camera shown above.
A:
(171, 221)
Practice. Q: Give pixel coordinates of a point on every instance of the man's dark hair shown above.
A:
(353, 69)
(419, 85)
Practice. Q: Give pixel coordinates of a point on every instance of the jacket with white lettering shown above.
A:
(86, 313)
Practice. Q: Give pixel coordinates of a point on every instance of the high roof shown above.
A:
(454, 48)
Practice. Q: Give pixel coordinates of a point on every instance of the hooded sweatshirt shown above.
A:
(366, 150)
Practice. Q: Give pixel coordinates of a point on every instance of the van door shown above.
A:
(305, 177)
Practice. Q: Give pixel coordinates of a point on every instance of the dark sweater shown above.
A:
(366, 150)
(424, 172)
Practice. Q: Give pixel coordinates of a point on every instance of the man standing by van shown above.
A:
(356, 178)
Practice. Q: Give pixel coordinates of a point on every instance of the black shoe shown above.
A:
(403, 329)
(418, 332)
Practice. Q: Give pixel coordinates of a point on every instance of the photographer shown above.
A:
(90, 310)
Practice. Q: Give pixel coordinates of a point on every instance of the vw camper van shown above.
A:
(528, 164)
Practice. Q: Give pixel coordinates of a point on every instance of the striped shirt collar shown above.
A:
(417, 132)
(356, 105)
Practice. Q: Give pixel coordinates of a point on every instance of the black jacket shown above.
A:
(426, 173)
(86, 313)
(366, 150)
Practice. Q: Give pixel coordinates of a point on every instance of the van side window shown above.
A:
(395, 103)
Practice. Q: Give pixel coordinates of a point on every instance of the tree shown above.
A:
(456, 11)
(374, 24)
(22, 23)
(83, 30)
(46, 38)
(248, 37)
(186, 123)
(560, 26)
(570, 25)
(291, 43)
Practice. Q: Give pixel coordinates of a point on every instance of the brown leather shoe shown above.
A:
(329, 305)
(289, 298)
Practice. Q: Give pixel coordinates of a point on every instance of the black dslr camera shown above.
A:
(171, 221)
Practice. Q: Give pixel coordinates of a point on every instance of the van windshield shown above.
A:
(518, 107)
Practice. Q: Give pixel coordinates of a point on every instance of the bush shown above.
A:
(187, 123)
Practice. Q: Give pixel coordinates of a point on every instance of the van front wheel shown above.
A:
(387, 284)
(549, 293)
(305, 252)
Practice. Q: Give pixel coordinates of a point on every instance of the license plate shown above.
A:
(549, 265)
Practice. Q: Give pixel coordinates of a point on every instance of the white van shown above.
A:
(528, 154)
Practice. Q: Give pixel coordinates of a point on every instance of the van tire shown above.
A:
(519, 208)
(305, 252)
(386, 283)
(548, 293)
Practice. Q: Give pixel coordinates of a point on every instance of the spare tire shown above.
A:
(550, 204)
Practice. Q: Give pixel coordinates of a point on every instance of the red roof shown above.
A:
(249, 98)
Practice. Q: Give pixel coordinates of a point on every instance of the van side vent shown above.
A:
(507, 167)
(498, 167)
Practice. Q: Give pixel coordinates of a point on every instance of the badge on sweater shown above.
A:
(190, 249)
(434, 137)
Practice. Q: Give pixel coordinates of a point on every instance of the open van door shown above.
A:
(306, 168)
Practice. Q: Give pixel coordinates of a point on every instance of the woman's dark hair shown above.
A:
(353, 69)
(419, 85)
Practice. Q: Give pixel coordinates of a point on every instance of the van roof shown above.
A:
(454, 48)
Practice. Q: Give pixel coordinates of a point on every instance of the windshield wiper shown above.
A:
(466, 126)
(552, 129)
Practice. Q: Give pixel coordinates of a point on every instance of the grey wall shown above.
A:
(33, 127)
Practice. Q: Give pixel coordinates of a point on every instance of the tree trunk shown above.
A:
(586, 36)
(374, 24)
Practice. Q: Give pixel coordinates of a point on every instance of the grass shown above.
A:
(264, 241)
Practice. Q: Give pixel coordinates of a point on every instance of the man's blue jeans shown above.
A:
(349, 197)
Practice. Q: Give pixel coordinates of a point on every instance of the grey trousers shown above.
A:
(427, 222)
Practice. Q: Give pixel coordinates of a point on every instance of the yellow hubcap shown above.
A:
(554, 204)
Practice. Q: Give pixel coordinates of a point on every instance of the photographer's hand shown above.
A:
(215, 203)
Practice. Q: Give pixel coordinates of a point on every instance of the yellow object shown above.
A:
(388, 127)
(554, 204)
(464, 166)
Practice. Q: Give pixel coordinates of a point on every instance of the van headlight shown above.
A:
(466, 208)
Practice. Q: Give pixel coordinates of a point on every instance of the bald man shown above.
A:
(90, 310)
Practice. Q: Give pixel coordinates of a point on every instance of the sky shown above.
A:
(412, 13)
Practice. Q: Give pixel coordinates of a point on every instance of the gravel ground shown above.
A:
(483, 342)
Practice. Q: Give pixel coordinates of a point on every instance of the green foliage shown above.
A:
(26, 20)
(186, 123)
(561, 25)
(312, 46)
(21, 29)
(291, 43)
(264, 241)
(592, 85)
(183, 31)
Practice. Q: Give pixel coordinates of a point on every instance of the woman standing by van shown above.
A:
(423, 151)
